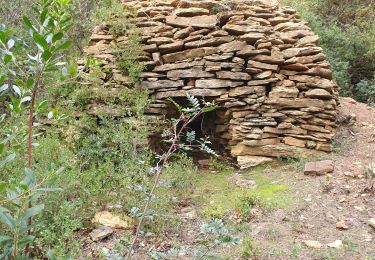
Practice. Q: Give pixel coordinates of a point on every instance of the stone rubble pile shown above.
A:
(256, 59)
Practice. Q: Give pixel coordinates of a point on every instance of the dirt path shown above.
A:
(323, 201)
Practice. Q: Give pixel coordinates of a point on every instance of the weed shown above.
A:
(250, 249)
(296, 251)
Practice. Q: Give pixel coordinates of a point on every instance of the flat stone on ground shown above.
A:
(248, 161)
(319, 167)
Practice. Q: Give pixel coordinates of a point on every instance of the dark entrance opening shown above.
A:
(205, 127)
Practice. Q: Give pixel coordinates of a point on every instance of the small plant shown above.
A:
(250, 249)
(179, 138)
(15, 213)
(26, 68)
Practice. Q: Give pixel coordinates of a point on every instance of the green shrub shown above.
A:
(365, 91)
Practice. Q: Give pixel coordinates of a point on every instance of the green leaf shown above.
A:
(43, 15)
(64, 46)
(46, 55)
(7, 159)
(27, 23)
(39, 40)
(2, 148)
(58, 36)
(7, 219)
(7, 58)
(210, 108)
(4, 239)
(29, 82)
(29, 179)
(31, 212)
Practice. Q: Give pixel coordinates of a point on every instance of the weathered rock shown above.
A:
(319, 167)
(233, 75)
(211, 42)
(183, 33)
(192, 92)
(318, 93)
(187, 54)
(190, 12)
(189, 73)
(171, 47)
(312, 244)
(371, 222)
(100, 233)
(161, 84)
(107, 219)
(335, 244)
(199, 22)
(341, 225)
(284, 92)
(216, 83)
(260, 65)
(246, 162)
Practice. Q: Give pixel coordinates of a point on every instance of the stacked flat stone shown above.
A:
(256, 59)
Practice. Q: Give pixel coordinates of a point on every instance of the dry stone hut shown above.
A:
(255, 58)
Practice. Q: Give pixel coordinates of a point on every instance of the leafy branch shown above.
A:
(174, 137)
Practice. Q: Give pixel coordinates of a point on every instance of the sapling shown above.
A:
(25, 68)
(179, 138)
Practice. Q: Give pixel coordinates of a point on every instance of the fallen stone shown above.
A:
(335, 244)
(107, 219)
(319, 167)
(246, 162)
(341, 225)
(100, 233)
(371, 222)
(312, 244)
(188, 213)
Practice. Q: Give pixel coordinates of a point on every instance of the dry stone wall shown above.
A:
(256, 59)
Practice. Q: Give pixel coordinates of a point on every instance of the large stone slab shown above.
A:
(190, 12)
(161, 84)
(233, 75)
(189, 73)
(199, 22)
(176, 66)
(278, 150)
(188, 54)
(210, 42)
(217, 83)
(192, 92)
